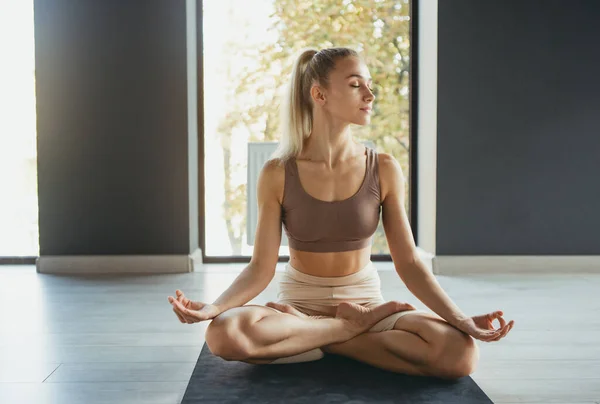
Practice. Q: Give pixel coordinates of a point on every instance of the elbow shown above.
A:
(405, 270)
(264, 272)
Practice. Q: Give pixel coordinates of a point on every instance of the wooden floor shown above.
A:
(108, 339)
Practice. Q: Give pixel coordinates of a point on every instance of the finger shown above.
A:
(178, 315)
(182, 312)
(185, 302)
(176, 311)
(491, 317)
(502, 322)
(504, 331)
(489, 336)
(495, 314)
(191, 315)
(498, 338)
(180, 296)
(500, 331)
(178, 304)
(172, 299)
(482, 337)
(501, 334)
(187, 318)
(509, 327)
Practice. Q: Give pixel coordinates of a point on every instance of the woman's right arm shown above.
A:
(260, 271)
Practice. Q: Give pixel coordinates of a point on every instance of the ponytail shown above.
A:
(296, 103)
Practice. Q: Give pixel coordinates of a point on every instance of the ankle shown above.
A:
(342, 329)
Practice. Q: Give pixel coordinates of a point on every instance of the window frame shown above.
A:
(413, 136)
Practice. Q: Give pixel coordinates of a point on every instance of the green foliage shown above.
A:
(378, 30)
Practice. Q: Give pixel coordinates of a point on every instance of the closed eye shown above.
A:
(371, 89)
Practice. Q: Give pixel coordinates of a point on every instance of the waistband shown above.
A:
(365, 272)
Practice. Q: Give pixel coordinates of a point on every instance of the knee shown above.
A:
(226, 339)
(468, 359)
(458, 356)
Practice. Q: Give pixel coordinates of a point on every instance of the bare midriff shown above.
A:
(319, 183)
(330, 264)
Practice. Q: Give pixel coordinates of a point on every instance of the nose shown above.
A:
(370, 96)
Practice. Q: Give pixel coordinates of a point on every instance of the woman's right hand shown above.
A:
(191, 312)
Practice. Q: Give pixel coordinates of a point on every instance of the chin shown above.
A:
(362, 121)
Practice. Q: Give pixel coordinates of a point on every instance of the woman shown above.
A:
(329, 191)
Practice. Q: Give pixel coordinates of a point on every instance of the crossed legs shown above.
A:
(420, 343)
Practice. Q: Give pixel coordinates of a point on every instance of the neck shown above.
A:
(330, 142)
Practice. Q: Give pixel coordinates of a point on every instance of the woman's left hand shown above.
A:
(482, 327)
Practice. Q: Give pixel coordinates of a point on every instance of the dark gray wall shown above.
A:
(112, 127)
(518, 128)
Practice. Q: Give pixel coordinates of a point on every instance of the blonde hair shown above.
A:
(296, 103)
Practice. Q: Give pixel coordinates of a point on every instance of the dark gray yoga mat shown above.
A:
(333, 379)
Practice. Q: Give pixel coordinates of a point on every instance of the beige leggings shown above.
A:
(318, 297)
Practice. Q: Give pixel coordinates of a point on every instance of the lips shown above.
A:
(366, 109)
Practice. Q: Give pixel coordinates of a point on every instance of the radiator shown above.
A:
(258, 154)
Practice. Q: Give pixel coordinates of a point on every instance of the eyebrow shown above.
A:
(359, 76)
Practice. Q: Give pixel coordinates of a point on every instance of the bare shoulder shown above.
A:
(391, 177)
(274, 170)
(272, 178)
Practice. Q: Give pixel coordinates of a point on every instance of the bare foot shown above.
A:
(286, 308)
(359, 319)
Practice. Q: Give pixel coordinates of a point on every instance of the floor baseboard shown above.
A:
(515, 264)
(439, 264)
(118, 264)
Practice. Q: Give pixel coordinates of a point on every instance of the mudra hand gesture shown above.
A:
(189, 311)
(482, 328)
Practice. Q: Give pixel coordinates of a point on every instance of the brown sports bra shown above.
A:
(321, 226)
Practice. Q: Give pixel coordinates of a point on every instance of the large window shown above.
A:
(247, 58)
(18, 154)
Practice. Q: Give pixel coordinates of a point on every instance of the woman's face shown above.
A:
(349, 96)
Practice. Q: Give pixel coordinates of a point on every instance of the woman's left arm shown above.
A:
(413, 272)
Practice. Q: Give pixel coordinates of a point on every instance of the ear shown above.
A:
(317, 95)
